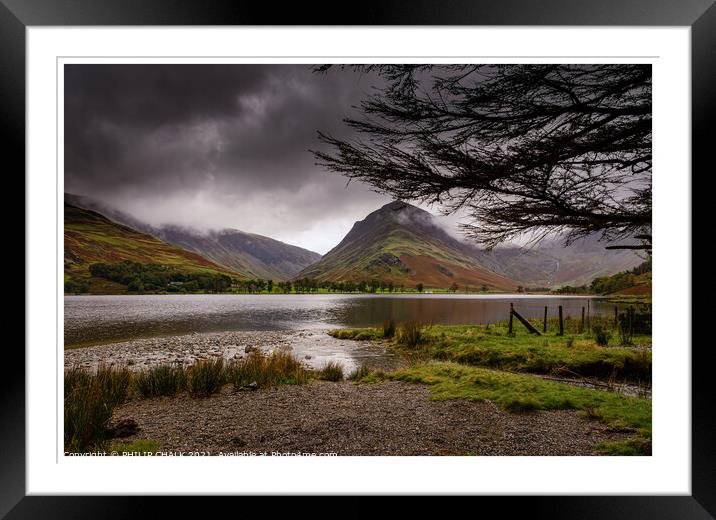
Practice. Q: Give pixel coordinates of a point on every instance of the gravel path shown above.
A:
(388, 418)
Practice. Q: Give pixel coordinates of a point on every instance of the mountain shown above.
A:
(250, 255)
(402, 244)
(552, 264)
(405, 244)
(399, 243)
(92, 238)
(255, 256)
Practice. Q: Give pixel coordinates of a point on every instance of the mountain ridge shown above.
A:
(91, 238)
(548, 264)
(402, 244)
(247, 254)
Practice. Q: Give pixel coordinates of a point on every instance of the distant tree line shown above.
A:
(619, 281)
(76, 285)
(140, 277)
(306, 285)
(311, 285)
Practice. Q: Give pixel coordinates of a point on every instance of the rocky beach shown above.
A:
(312, 347)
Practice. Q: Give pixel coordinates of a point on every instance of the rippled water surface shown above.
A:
(101, 319)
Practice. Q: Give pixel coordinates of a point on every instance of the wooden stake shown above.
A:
(581, 328)
(524, 322)
(616, 317)
(588, 314)
(561, 322)
(544, 325)
(631, 321)
(509, 329)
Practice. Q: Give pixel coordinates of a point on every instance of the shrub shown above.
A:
(161, 380)
(205, 377)
(331, 371)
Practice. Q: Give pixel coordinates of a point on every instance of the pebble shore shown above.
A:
(313, 347)
(388, 418)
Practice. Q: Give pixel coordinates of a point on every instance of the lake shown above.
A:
(93, 320)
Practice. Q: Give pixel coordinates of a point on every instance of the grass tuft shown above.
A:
(410, 334)
(161, 380)
(278, 368)
(205, 377)
(90, 400)
(360, 373)
(331, 371)
(601, 335)
(388, 329)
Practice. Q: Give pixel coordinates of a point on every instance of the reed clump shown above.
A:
(90, 400)
(331, 371)
(277, 368)
(359, 373)
(205, 377)
(410, 334)
(388, 329)
(162, 380)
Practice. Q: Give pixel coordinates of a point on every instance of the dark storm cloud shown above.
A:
(215, 146)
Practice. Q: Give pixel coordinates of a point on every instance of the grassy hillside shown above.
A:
(635, 282)
(399, 243)
(91, 238)
(251, 255)
(255, 256)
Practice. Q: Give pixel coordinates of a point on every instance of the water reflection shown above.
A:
(101, 319)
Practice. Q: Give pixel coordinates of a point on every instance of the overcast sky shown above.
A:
(216, 146)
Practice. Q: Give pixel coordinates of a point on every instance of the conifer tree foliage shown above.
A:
(522, 149)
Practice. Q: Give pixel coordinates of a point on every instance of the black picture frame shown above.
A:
(16, 15)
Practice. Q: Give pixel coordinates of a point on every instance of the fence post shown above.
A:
(588, 328)
(616, 317)
(509, 329)
(631, 321)
(581, 327)
(561, 323)
(544, 325)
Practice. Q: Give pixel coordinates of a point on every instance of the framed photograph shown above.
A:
(443, 250)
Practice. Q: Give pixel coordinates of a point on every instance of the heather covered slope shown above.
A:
(253, 256)
(91, 238)
(400, 243)
(406, 245)
(256, 256)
